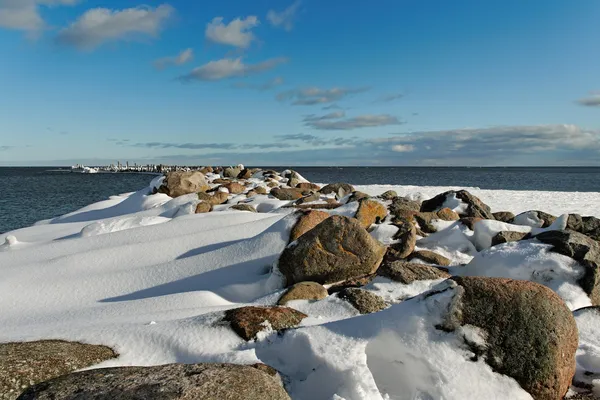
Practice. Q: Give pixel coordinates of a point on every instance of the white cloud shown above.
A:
(403, 148)
(100, 25)
(229, 68)
(25, 15)
(314, 95)
(237, 33)
(285, 18)
(592, 101)
(361, 121)
(182, 58)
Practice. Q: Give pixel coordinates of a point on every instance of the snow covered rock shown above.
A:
(430, 257)
(463, 202)
(507, 236)
(339, 189)
(504, 216)
(405, 240)
(287, 193)
(304, 291)
(336, 249)
(407, 272)
(308, 199)
(534, 218)
(249, 321)
(583, 249)
(178, 183)
(424, 219)
(171, 381)
(308, 220)
(530, 335)
(26, 363)
(370, 212)
(364, 301)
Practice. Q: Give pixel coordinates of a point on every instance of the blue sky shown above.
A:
(308, 82)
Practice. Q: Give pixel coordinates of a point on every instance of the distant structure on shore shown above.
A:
(120, 167)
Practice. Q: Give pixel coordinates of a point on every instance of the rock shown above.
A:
(530, 334)
(172, 381)
(507, 236)
(231, 172)
(364, 301)
(248, 321)
(245, 174)
(309, 199)
(504, 216)
(304, 291)
(314, 206)
(203, 207)
(251, 193)
(216, 198)
(272, 184)
(243, 207)
(335, 188)
(589, 226)
(178, 183)
(406, 240)
(547, 218)
(356, 282)
(370, 212)
(26, 363)
(388, 195)
(430, 257)
(475, 207)
(469, 222)
(220, 181)
(206, 170)
(260, 190)
(400, 206)
(308, 186)
(235, 187)
(336, 249)
(424, 218)
(583, 249)
(358, 196)
(407, 272)
(308, 220)
(287, 193)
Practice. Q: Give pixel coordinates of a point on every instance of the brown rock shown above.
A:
(245, 174)
(26, 363)
(402, 206)
(221, 181)
(406, 272)
(475, 207)
(234, 187)
(243, 207)
(424, 218)
(388, 195)
(356, 282)
(507, 236)
(504, 216)
(272, 184)
(287, 193)
(203, 207)
(531, 335)
(308, 220)
(358, 196)
(231, 172)
(364, 301)
(178, 183)
(251, 193)
(308, 199)
(469, 222)
(260, 190)
(589, 226)
(248, 321)
(406, 240)
(206, 170)
(340, 189)
(304, 291)
(314, 206)
(335, 250)
(370, 212)
(172, 381)
(430, 257)
(308, 186)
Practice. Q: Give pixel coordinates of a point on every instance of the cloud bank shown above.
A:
(229, 68)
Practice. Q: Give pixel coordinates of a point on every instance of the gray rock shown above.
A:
(475, 207)
(335, 188)
(336, 249)
(547, 219)
(364, 301)
(388, 195)
(243, 207)
(287, 193)
(171, 381)
(407, 272)
(401, 205)
(430, 257)
(589, 226)
(507, 236)
(504, 216)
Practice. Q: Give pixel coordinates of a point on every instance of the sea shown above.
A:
(35, 193)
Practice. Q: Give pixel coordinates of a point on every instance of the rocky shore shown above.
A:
(367, 296)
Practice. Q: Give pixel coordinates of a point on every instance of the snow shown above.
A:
(588, 353)
(147, 276)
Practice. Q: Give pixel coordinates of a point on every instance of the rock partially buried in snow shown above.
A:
(171, 381)
(403, 207)
(407, 272)
(406, 239)
(589, 226)
(430, 257)
(249, 321)
(370, 212)
(534, 218)
(214, 199)
(203, 207)
(26, 363)
(364, 301)
(424, 219)
(178, 183)
(530, 334)
(231, 172)
(507, 236)
(308, 220)
(337, 249)
(304, 291)
(388, 195)
(504, 216)
(463, 202)
(234, 187)
(308, 186)
(287, 193)
(335, 188)
(583, 249)
(243, 207)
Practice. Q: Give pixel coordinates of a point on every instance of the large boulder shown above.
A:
(370, 212)
(171, 381)
(26, 363)
(364, 301)
(287, 193)
(407, 272)
(337, 249)
(583, 249)
(589, 226)
(529, 333)
(178, 183)
(249, 321)
(473, 207)
(308, 220)
(304, 291)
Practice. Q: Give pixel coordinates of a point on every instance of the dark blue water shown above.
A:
(32, 194)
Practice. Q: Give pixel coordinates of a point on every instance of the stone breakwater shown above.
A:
(342, 244)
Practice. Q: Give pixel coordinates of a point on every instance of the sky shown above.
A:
(300, 82)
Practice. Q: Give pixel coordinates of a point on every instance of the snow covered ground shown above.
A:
(145, 275)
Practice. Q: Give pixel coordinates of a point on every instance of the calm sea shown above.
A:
(32, 194)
